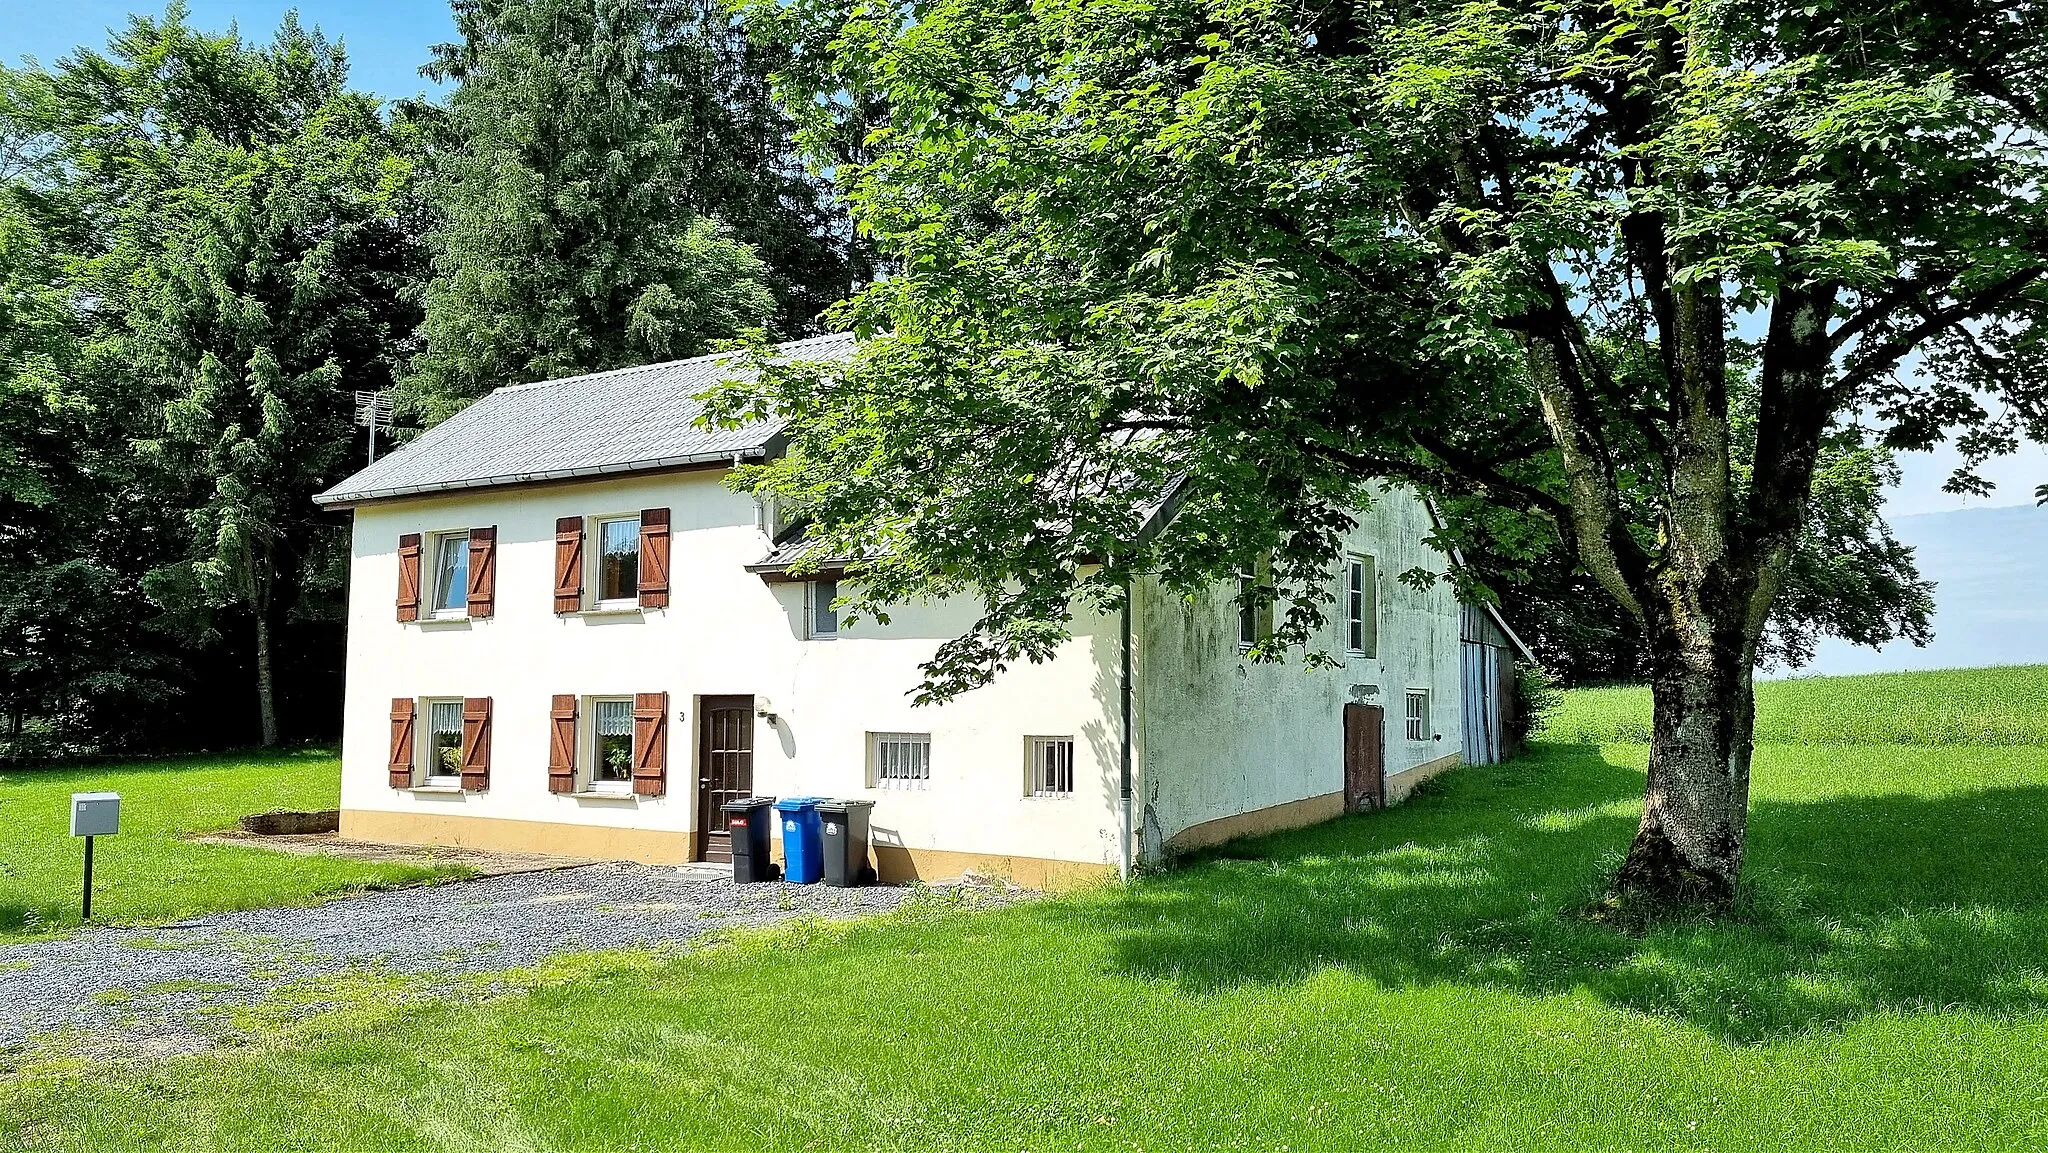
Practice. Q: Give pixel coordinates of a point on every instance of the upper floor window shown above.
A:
(1247, 611)
(451, 574)
(618, 561)
(1416, 722)
(1361, 603)
(824, 618)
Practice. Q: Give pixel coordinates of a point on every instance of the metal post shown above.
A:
(1124, 769)
(88, 878)
(373, 442)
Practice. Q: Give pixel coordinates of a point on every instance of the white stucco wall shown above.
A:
(1219, 736)
(726, 631)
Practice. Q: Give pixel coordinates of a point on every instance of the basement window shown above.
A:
(1049, 766)
(444, 742)
(1415, 723)
(899, 760)
(611, 744)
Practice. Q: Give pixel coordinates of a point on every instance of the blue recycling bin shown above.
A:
(803, 839)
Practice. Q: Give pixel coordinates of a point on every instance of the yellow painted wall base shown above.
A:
(648, 846)
(1292, 815)
(893, 863)
(1402, 784)
(896, 864)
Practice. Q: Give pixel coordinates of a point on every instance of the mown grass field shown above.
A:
(1411, 979)
(150, 872)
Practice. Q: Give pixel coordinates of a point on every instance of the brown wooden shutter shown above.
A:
(476, 744)
(653, 558)
(483, 571)
(401, 742)
(562, 746)
(650, 744)
(409, 577)
(569, 564)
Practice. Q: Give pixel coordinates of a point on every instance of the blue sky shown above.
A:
(387, 42)
(387, 39)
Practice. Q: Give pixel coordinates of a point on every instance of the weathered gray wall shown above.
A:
(1219, 737)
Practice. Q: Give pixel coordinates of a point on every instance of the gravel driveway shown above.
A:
(164, 988)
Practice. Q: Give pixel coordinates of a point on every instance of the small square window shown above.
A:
(611, 743)
(618, 561)
(824, 618)
(899, 760)
(444, 741)
(1049, 769)
(451, 573)
(1416, 721)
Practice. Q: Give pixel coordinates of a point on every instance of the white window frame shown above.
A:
(590, 742)
(435, 609)
(1046, 785)
(1247, 612)
(879, 754)
(594, 532)
(430, 773)
(813, 590)
(1361, 619)
(1414, 722)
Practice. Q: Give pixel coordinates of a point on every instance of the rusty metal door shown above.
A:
(1365, 760)
(725, 769)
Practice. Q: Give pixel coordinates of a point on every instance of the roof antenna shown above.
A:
(373, 411)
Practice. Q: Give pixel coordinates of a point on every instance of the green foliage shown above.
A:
(609, 179)
(1976, 707)
(1409, 979)
(150, 872)
(1512, 255)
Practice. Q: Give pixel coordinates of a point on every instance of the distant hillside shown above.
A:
(2003, 706)
(1990, 568)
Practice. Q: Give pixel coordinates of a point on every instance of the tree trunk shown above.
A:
(1687, 854)
(266, 695)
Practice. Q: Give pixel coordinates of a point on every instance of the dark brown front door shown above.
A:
(1365, 761)
(725, 769)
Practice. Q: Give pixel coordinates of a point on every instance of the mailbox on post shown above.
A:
(94, 815)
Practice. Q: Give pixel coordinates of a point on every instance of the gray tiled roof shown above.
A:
(626, 420)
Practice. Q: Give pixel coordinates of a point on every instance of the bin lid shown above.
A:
(746, 803)
(840, 805)
(796, 804)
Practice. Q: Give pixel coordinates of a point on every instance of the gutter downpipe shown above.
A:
(1124, 770)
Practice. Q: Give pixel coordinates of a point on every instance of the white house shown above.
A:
(567, 635)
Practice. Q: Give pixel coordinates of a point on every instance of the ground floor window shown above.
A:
(899, 760)
(611, 757)
(444, 741)
(1050, 767)
(1417, 719)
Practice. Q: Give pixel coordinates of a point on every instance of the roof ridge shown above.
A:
(707, 357)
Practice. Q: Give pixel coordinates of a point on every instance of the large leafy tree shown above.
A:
(225, 245)
(1622, 270)
(614, 186)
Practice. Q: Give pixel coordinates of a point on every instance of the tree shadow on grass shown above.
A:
(1855, 905)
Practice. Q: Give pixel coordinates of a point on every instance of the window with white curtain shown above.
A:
(611, 742)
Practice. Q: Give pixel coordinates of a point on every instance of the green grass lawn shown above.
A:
(1410, 979)
(149, 872)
